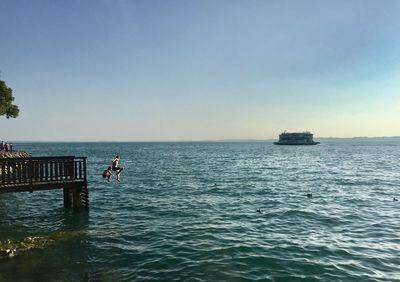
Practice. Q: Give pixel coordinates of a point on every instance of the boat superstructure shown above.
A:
(296, 138)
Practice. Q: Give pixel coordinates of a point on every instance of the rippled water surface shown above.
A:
(188, 212)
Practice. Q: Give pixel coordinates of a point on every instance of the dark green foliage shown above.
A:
(6, 98)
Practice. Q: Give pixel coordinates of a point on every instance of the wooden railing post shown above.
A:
(30, 173)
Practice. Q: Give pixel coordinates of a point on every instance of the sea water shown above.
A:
(188, 212)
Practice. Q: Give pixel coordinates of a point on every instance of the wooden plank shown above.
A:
(51, 170)
(13, 172)
(40, 186)
(75, 171)
(3, 172)
(46, 171)
(84, 169)
(80, 170)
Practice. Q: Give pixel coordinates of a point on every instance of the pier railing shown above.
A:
(41, 171)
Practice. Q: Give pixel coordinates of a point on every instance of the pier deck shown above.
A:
(46, 173)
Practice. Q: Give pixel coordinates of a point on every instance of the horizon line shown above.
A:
(205, 140)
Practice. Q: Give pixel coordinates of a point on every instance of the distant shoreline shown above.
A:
(383, 138)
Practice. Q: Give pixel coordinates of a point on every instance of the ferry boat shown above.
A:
(296, 138)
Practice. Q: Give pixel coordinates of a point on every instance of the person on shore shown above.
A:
(107, 173)
(7, 147)
(116, 168)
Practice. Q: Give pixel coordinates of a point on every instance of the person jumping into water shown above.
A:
(116, 168)
(107, 173)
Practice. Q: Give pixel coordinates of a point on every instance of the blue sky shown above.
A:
(200, 70)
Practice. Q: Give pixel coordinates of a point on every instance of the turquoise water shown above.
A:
(167, 220)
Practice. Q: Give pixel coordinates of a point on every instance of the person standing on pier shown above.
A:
(116, 168)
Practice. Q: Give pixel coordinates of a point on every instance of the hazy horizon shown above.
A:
(358, 138)
(200, 70)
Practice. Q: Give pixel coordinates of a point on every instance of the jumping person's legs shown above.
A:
(120, 171)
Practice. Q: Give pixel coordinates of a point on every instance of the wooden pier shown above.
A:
(46, 173)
